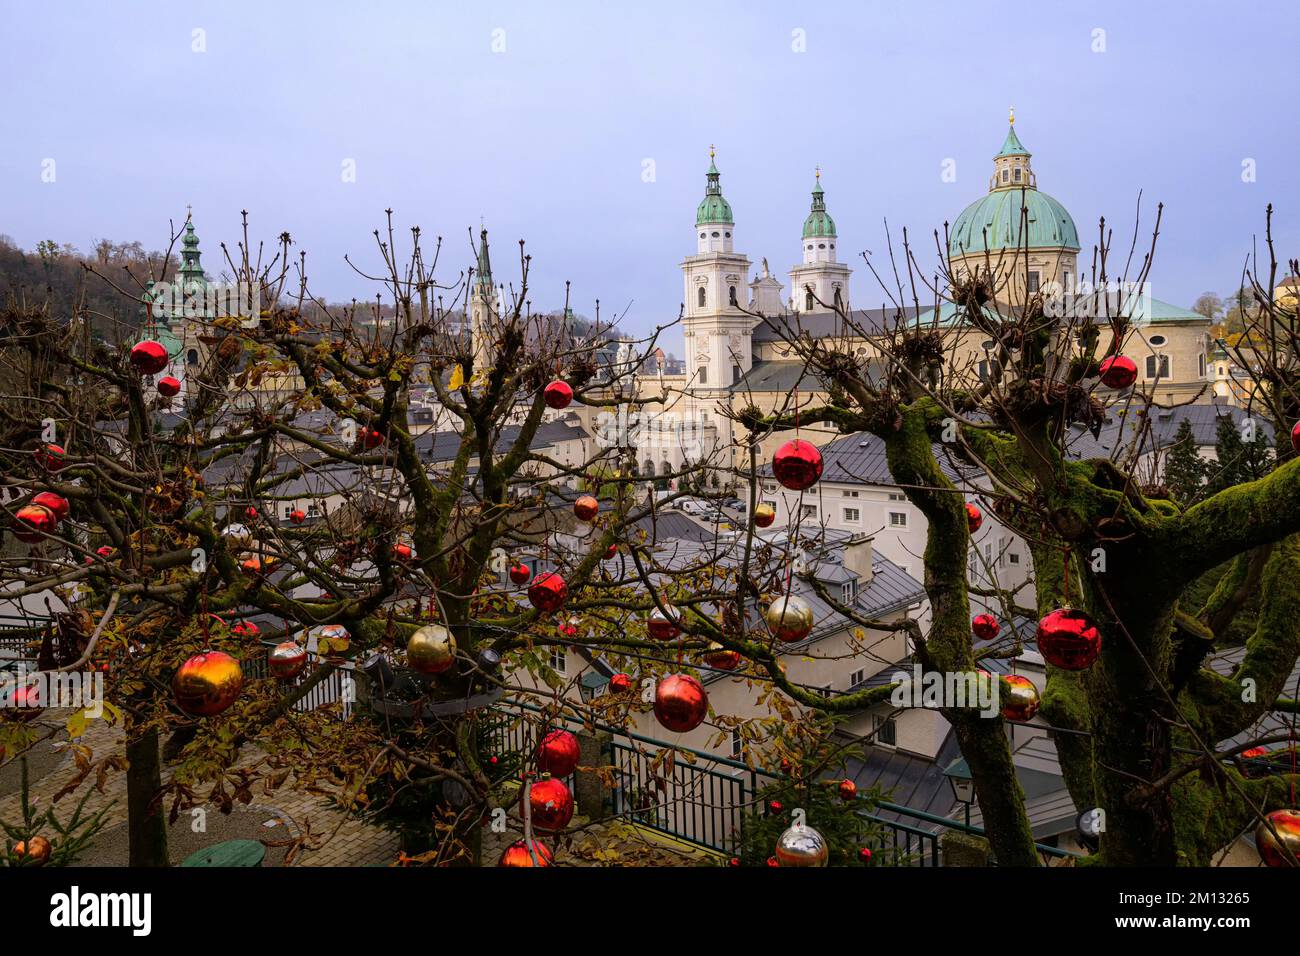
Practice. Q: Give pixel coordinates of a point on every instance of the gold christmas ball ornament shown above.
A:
(801, 845)
(207, 683)
(1287, 825)
(1019, 698)
(764, 515)
(790, 619)
(431, 649)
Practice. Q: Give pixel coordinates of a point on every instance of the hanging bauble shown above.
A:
(1118, 371)
(558, 394)
(148, 357)
(245, 629)
(371, 439)
(790, 619)
(1287, 824)
(56, 503)
(431, 649)
(1019, 698)
(257, 565)
(797, 464)
(34, 522)
(548, 592)
(520, 573)
(764, 515)
(403, 553)
(774, 807)
(51, 457)
(621, 684)
(974, 517)
(251, 514)
(169, 386)
(611, 552)
(519, 854)
(297, 516)
(864, 854)
(1068, 639)
(680, 703)
(771, 861)
(801, 846)
(734, 861)
(719, 658)
(1295, 436)
(848, 790)
(550, 803)
(558, 753)
(586, 508)
(207, 683)
(33, 852)
(985, 627)
(286, 660)
(25, 703)
(663, 624)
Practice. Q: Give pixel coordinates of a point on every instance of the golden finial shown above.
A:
(710, 151)
(1013, 116)
(817, 171)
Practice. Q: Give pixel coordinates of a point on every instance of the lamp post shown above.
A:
(592, 685)
(962, 783)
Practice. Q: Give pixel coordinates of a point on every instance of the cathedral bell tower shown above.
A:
(820, 282)
(718, 345)
(483, 309)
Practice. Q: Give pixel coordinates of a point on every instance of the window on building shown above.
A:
(898, 519)
(737, 744)
(1016, 175)
(849, 592)
(769, 487)
(701, 296)
(704, 375)
(735, 374)
(769, 502)
(1032, 283)
(850, 494)
(897, 496)
(1065, 279)
(1157, 340)
(852, 514)
(1006, 175)
(886, 731)
(857, 677)
(1158, 365)
(288, 510)
(559, 660)
(808, 301)
(809, 512)
(731, 294)
(192, 357)
(839, 304)
(1013, 557)
(1201, 363)
(314, 510)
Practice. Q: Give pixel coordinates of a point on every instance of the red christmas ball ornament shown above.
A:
(1287, 825)
(1295, 436)
(719, 658)
(848, 790)
(775, 806)
(245, 629)
(148, 357)
(974, 517)
(169, 386)
(1019, 698)
(56, 503)
(864, 854)
(771, 861)
(734, 861)
(548, 592)
(586, 508)
(985, 627)
(371, 439)
(250, 513)
(286, 660)
(403, 553)
(51, 458)
(104, 552)
(519, 573)
(34, 522)
(25, 703)
(1068, 639)
(297, 516)
(680, 703)
(551, 804)
(1118, 371)
(621, 683)
(207, 683)
(519, 854)
(558, 394)
(797, 464)
(558, 753)
(663, 626)
(764, 515)
(611, 552)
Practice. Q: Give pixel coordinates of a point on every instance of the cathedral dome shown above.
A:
(994, 223)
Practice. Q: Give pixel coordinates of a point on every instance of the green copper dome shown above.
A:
(819, 223)
(713, 208)
(994, 223)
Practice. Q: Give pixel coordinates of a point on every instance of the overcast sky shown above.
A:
(585, 128)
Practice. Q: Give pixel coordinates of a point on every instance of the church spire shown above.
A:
(191, 268)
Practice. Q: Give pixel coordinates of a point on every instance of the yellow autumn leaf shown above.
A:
(457, 377)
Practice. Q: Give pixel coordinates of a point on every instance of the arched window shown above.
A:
(808, 301)
(649, 469)
(192, 357)
(1005, 174)
(1017, 174)
(731, 294)
(701, 296)
(838, 304)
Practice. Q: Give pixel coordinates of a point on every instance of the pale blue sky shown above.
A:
(547, 140)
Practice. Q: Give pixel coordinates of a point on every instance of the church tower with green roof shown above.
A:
(820, 283)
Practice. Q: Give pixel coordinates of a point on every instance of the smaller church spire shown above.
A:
(484, 267)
